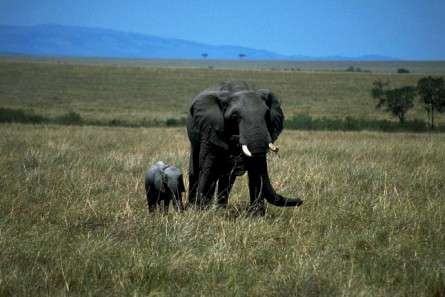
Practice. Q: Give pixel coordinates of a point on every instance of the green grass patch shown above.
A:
(298, 122)
(10, 115)
(127, 95)
(306, 122)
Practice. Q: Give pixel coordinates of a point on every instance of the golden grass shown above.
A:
(73, 218)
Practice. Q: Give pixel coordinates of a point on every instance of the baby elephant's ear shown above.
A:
(276, 116)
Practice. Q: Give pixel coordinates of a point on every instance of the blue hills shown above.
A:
(72, 41)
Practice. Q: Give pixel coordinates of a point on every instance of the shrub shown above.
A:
(174, 122)
(397, 101)
(10, 115)
(356, 69)
(116, 122)
(306, 122)
(299, 121)
(431, 91)
(69, 118)
(351, 124)
(403, 70)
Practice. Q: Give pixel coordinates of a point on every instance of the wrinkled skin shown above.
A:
(164, 183)
(222, 120)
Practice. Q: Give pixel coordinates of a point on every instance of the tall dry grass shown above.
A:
(73, 218)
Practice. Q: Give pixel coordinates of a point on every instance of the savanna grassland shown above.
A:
(73, 217)
(125, 92)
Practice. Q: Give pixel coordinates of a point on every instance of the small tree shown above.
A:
(432, 93)
(400, 100)
(402, 70)
(396, 101)
(378, 91)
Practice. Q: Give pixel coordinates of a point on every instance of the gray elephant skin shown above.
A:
(164, 183)
(231, 128)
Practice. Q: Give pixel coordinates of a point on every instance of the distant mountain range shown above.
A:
(70, 41)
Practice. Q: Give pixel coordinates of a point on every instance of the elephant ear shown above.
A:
(207, 117)
(275, 119)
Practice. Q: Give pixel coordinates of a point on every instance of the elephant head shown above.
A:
(236, 115)
(236, 119)
(257, 118)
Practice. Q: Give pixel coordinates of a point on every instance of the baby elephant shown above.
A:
(164, 182)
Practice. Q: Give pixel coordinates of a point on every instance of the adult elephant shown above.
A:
(231, 128)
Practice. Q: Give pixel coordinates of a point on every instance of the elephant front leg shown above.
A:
(207, 177)
(206, 187)
(152, 199)
(225, 184)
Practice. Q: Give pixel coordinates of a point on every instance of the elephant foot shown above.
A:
(221, 205)
(222, 202)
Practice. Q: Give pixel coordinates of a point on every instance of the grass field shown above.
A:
(73, 218)
(415, 67)
(104, 92)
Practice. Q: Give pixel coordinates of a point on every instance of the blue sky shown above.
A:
(406, 29)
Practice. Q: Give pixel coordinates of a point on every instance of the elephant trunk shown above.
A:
(260, 186)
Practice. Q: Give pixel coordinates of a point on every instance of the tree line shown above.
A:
(398, 101)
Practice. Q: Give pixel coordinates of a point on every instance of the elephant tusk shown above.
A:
(246, 150)
(273, 147)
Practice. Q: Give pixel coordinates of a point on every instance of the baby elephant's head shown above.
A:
(164, 183)
(173, 180)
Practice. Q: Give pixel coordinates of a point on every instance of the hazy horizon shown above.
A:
(411, 30)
